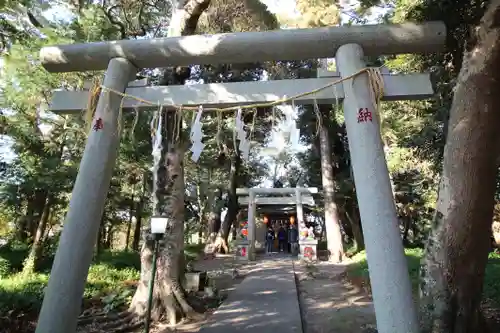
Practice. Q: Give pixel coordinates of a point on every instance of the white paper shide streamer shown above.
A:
(196, 136)
(156, 151)
(291, 125)
(241, 134)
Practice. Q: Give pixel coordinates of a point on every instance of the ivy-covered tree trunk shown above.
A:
(168, 198)
(214, 215)
(213, 224)
(332, 221)
(457, 248)
(169, 296)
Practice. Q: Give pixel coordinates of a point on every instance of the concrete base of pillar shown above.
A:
(252, 254)
(242, 251)
(308, 249)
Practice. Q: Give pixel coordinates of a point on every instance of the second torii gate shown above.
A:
(394, 308)
(300, 196)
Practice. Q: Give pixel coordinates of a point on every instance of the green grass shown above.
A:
(25, 292)
(192, 251)
(107, 279)
(359, 268)
(492, 279)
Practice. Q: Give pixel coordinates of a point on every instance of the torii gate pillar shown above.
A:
(392, 294)
(74, 253)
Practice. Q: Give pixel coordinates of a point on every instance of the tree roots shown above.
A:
(221, 245)
(110, 323)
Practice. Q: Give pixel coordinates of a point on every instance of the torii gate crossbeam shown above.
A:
(247, 47)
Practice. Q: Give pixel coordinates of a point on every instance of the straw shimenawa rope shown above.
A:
(374, 77)
(94, 93)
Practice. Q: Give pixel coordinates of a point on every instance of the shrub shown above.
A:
(21, 292)
(108, 277)
(359, 269)
(4, 267)
(15, 253)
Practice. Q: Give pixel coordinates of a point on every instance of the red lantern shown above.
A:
(292, 220)
(266, 221)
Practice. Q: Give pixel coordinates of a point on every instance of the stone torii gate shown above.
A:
(249, 197)
(394, 308)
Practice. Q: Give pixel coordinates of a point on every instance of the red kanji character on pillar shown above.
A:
(364, 115)
(98, 125)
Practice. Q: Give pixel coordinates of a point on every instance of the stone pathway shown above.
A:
(266, 301)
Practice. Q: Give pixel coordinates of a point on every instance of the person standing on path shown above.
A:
(281, 239)
(269, 240)
(293, 239)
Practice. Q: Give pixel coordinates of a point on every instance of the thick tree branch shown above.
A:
(192, 12)
(120, 25)
(142, 25)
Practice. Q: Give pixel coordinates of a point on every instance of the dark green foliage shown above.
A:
(192, 251)
(4, 267)
(14, 252)
(119, 260)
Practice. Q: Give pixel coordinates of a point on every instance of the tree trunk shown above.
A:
(169, 297)
(31, 263)
(407, 220)
(40, 202)
(108, 243)
(101, 236)
(232, 206)
(332, 221)
(168, 197)
(138, 214)
(214, 223)
(138, 225)
(200, 233)
(202, 205)
(457, 248)
(129, 226)
(346, 225)
(23, 228)
(355, 221)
